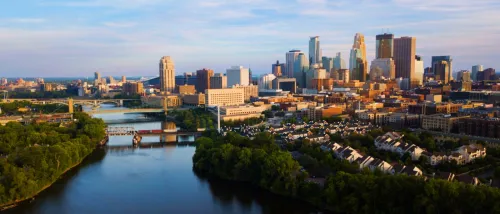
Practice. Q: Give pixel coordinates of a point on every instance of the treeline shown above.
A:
(193, 118)
(262, 163)
(42, 94)
(13, 108)
(34, 156)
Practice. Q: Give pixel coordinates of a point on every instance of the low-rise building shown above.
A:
(194, 99)
(440, 122)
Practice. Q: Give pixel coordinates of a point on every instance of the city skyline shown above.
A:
(118, 37)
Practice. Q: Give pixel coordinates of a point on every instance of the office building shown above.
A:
(464, 76)
(249, 91)
(487, 74)
(236, 113)
(441, 122)
(404, 57)
(327, 63)
(341, 75)
(382, 69)
(203, 79)
(291, 57)
(339, 62)
(384, 46)
(285, 84)
(218, 81)
(475, 70)
(419, 69)
(97, 78)
(237, 75)
(47, 87)
(314, 50)
(197, 100)
(133, 88)
(167, 74)
(357, 61)
(300, 69)
(266, 81)
(439, 61)
(442, 71)
(278, 69)
(224, 97)
(186, 89)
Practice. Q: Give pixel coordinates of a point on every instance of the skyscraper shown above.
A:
(384, 46)
(237, 75)
(167, 74)
(203, 79)
(449, 67)
(291, 58)
(278, 69)
(301, 67)
(475, 70)
(382, 69)
(97, 76)
(357, 61)
(463, 76)
(419, 69)
(314, 50)
(404, 57)
(327, 63)
(218, 81)
(339, 62)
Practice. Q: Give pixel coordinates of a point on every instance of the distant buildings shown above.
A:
(203, 79)
(357, 62)
(314, 50)
(300, 69)
(475, 70)
(419, 69)
(464, 76)
(285, 84)
(382, 69)
(249, 91)
(186, 89)
(167, 74)
(133, 88)
(442, 68)
(266, 81)
(224, 97)
(218, 81)
(339, 62)
(237, 75)
(278, 69)
(327, 63)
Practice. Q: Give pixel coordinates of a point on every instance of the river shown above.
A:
(152, 180)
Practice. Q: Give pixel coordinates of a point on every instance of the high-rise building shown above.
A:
(285, 84)
(449, 65)
(384, 46)
(237, 75)
(203, 79)
(315, 72)
(314, 50)
(266, 81)
(225, 97)
(339, 62)
(404, 57)
(419, 69)
(442, 71)
(487, 74)
(278, 69)
(97, 76)
(327, 63)
(357, 61)
(124, 79)
(382, 69)
(300, 69)
(167, 74)
(291, 57)
(464, 76)
(218, 81)
(475, 70)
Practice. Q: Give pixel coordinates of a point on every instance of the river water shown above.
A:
(152, 180)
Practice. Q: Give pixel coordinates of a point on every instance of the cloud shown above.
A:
(24, 20)
(119, 24)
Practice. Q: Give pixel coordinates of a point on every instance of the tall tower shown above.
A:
(384, 46)
(475, 70)
(439, 68)
(291, 58)
(404, 57)
(357, 61)
(314, 50)
(203, 79)
(237, 75)
(167, 74)
(301, 67)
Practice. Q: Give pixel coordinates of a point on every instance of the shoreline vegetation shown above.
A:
(262, 163)
(34, 157)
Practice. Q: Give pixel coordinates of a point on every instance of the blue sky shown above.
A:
(128, 37)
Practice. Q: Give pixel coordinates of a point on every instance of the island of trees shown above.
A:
(261, 162)
(32, 157)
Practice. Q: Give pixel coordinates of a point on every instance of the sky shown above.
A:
(65, 38)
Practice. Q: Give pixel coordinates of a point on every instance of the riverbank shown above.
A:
(15, 203)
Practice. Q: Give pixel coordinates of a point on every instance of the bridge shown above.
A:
(127, 131)
(70, 102)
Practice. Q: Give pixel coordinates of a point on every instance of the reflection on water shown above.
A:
(151, 180)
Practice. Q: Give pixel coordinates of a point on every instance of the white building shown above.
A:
(237, 75)
(224, 97)
(266, 81)
(167, 74)
(382, 69)
(419, 69)
(291, 58)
